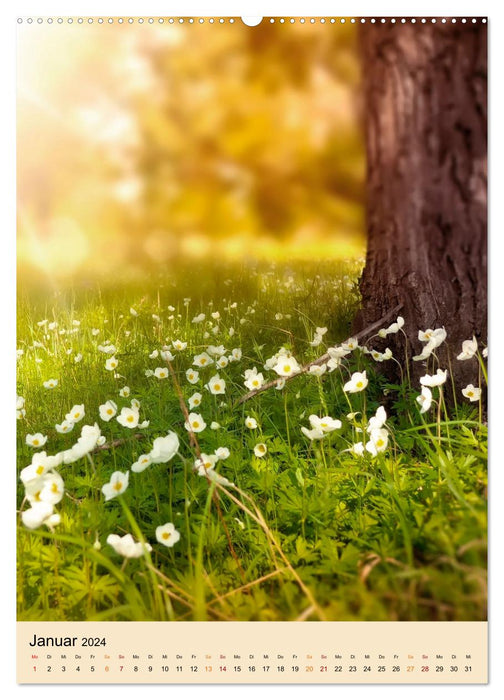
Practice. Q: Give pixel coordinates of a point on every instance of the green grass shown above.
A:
(309, 531)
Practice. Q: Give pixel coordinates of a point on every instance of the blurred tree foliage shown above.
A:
(159, 140)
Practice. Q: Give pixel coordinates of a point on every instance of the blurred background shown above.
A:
(141, 145)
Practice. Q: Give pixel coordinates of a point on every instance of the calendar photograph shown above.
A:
(251, 336)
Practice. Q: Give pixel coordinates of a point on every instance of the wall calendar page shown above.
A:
(252, 350)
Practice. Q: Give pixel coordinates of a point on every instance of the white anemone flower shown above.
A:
(393, 328)
(65, 426)
(128, 417)
(179, 345)
(154, 354)
(36, 440)
(472, 393)
(236, 355)
(141, 464)
(52, 488)
(116, 486)
(192, 376)
(435, 379)
(205, 462)
(314, 434)
(333, 363)
(337, 353)
(357, 449)
(326, 424)
(164, 448)
(216, 385)
(195, 423)
(107, 348)
(250, 423)
(469, 349)
(222, 453)
(199, 318)
(378, 420)
(111, 363)
(425, 399)
(222, 362)
(317, 370)
(51, 384)
(124, 392)
(350, 344)
(127, 547)
(202, 360)
(358, 382)
(286, 366)
(37, 515)
(108, 410)
(161, 372)
(260, 449)
(76, 413)
(167, 534)
(378, 441)
(166, 355)
(195, 400)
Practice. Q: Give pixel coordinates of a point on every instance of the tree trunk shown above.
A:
(425, 117)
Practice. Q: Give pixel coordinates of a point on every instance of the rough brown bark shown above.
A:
(426, 126)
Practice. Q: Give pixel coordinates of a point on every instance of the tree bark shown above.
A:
(426, 125)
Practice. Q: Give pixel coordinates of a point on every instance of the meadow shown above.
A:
(335, 495)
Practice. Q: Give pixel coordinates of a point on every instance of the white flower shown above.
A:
(250, 423)
(195, 423)
(144, 424)
(216, 350)
(393, 328)
(41, 463)
(315, 434)
(179, 345)
(127, 547)
(469, 349)
(484, 352)
(437, 336)
(358, 382)
(260, 449)
(192, 376)
(35, 516)
(317, 370)
(167, 534)
(214, 476)
(378, 442)
(286, 366)
(216, 385)
(222, 362)
(101, 440)
(205, 462)
(76, 413)
(107, 410)
(149, 373)
(78, 357)
(381, 356)
(36, 440)
(118, 484)
(357, 449)
(337, 353)
(87, 441)
(95, 331)
(427, 351)
(52, 488)
(128, 417)
(236, 355)
(141, 464)
(124, 392)
(425, 399)
(214, 425)
(222, 453)
(161, 372)
(199, 318)
(350, 344)
(108, 348)
(154, 354)
(472, 393)
(164, 448)
(280, 384)
(202, 360)
(195, 400)
(332, 364)
(378, 420)
(64, 427)
(317, 339)
(326, 424)
(435, 379)
(111, 363)
(166, 355)
(51, 383)
(133, 312)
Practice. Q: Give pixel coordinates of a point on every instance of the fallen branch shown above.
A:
(322, 359)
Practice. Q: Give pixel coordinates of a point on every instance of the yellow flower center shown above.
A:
(76, 415)
(202, 361)
(118, 485)
(40, 470)
(36, 442)
(359, 385)
(379, 443)
(130, 419)
(286, 368)
(54, 487)
(109, 411)
(470, 393)
(195, 424)
(217, 387)
(323, 425)
(255, 383)
(166, 535)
